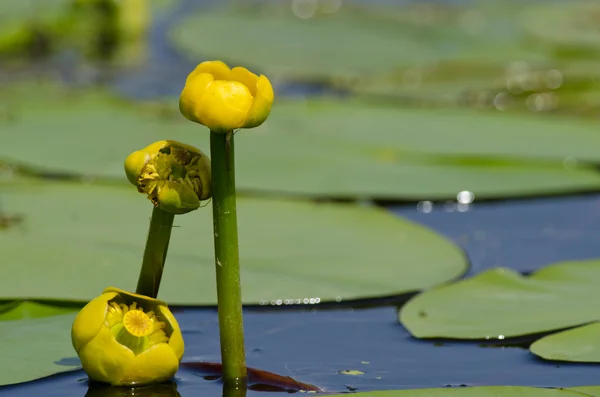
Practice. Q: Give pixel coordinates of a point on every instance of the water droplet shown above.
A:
(465, 197)
(425, 207)
(449, 206)
(553, 79)
(304, 9)
(502, 101)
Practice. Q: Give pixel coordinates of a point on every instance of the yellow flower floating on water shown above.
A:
(225, 99)
(174, 176)
(125, 339)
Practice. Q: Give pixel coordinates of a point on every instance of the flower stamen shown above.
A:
(134, 328)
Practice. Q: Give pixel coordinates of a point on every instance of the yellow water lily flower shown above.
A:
(127, 339)
(173, 175)
(226, 99)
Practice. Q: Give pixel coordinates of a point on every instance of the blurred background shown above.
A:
(426, 108)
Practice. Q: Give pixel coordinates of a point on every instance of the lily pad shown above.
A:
(312, 41)
(33, 348)
(570, 25)
(25, 310)
(501, 303)
(320, 148)
(579, 344)
(481, 391)
(593, 391)
(76, 240)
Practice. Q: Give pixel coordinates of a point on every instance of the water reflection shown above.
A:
(168, 389)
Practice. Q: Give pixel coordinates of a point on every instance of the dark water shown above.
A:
(314, 346)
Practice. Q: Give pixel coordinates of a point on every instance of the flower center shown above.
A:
(172, 165)
(137, 323)
(133, 328)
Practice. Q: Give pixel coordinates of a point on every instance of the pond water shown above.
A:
(313, 346)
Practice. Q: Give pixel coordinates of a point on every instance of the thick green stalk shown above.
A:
(234, 389)
(155, 253)
(227, 262)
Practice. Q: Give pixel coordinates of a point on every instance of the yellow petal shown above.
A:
(131, 297)
(155, 365)
(189, 148)
(217, 69)
(177, 198)
(176, 338)
(194, 89)
(224, 106)
(245, 77)
(205, 177)
(105, 360)
(263, 100)
(89, 320)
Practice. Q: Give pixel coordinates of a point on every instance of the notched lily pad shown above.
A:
(501, 303)
(87, 237)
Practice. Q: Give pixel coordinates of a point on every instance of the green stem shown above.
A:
(155, 253)
(227, 262)
(234, 389)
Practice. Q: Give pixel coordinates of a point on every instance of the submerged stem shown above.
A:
(155, 253)
(227, 257)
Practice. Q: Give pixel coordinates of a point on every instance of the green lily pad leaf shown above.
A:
(593, 391)
(480, 391)
(76, 240)
(501, 303)
(318, 148)
(33, 347)
(24, 310)
(579, 344)
(315, 42)
(571, 25)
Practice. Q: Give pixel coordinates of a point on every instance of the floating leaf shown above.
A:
(482, 391)
(24, 310)
(33, 347)
(310, 42)
(592, 391)
(501, 303)
(321, 148)
(580, 344)
(85, 238)
(570, 26)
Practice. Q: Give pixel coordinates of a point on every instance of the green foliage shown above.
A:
(33, 346)
(578, 344)
(86, 238)
(320, 148)
(501, 303)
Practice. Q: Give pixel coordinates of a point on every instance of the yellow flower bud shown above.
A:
(174, 176)
(127, 339)
(225, 99)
